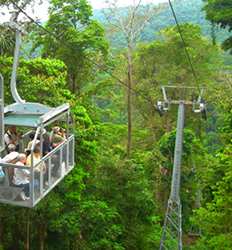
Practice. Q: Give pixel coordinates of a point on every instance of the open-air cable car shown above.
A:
(45, 173)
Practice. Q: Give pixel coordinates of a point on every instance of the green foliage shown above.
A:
(216, 178)
(220, 12)
(186, 11)
(6, 41)
(77, 39)
(110, 201)
(126, 186)
(35, 80)
(167, 143)
(211, 218)
(164, 62)
(167, 60)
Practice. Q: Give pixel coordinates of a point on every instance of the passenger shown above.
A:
(31, 136)
(56, 138)
(46, 143)
(11, 148)
(21, 177)
(11, 137)
(10, 158)
(62, 133)
(28, 149)
(36, 159)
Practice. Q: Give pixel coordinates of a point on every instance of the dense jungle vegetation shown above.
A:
(116, 196)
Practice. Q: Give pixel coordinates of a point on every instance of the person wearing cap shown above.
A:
(21, 177)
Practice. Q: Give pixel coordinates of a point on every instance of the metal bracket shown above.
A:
(18, 40)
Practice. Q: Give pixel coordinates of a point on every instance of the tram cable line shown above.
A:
(184, 44)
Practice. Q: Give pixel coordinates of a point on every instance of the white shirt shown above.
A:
(10, 138)
(9, 157)
(21, 176)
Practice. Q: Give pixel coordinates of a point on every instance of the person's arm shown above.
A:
(28, 162)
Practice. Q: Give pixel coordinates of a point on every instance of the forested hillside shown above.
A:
(186, 11)
(116, 196)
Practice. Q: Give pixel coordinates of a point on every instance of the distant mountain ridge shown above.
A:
(186, 11)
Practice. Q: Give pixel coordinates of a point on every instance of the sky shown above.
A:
(41, 11)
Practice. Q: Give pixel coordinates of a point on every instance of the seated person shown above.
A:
(30, 143)
(12, 137)
(56, 138)
(12, 158)
(36, 159)
(21, 177)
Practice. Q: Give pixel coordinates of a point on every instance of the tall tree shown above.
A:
(76, 39)
(7, 33)
(130, 23)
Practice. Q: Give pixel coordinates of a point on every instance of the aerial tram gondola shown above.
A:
(34, 118)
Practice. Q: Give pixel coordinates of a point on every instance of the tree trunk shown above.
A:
(42, 236)
(129, 101)
(73, 84)
(27, 245)
(213, 33)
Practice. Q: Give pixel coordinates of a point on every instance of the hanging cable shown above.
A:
(184, 43)
(101, 67)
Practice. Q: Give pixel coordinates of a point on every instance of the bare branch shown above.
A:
(132, 24)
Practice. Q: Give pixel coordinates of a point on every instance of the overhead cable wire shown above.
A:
(101, 67)
(184, 43)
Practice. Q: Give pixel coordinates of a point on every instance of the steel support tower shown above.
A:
(171, 238)
(172, 230)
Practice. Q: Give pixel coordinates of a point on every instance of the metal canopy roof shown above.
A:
(22, 120)
(32, 114)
